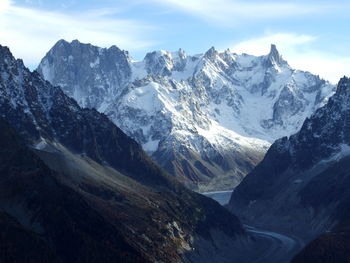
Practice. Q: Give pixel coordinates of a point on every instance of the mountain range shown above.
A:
(77, 188)
(208, 119)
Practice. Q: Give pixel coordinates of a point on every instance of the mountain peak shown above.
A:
(181, 53)
(228, 51)
(5, 53)
(155, 54)
(62, 42)
(343, 93)
(273, 50)
(344, 83)
(4, 50)
(211, 53)
(7, 58)
(75, 41)
(115, 48)
(274, 57)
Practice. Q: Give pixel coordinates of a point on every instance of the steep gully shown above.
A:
(282, 247)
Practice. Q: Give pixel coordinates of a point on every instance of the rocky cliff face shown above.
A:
(208, 119)
(79, 190)
(301, 185)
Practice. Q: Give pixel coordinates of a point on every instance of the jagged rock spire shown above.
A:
(274, 57)
(211, 53)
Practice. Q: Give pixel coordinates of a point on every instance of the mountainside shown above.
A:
(331, 247)
(86, 192)
(46, 218)
(208, 119)
(301, 186)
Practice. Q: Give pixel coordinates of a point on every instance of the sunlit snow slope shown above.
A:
(208, 119)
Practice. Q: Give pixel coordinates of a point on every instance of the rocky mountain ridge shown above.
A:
(208, 119)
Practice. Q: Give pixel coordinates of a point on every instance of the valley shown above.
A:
(69, 174)
(280, 248)
(163, 131)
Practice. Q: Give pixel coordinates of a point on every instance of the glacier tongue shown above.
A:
(208, 119)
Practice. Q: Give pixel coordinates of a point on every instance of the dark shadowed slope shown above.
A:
(47, 219)
(331, 247)
(302, 185)
(334, 245)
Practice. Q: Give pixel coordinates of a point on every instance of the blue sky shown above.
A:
(310, 35)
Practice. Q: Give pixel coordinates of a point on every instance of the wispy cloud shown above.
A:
(30, 33)
(4, 5)
(234, 12)
(329, 67)
(299, 51)
(286, 42)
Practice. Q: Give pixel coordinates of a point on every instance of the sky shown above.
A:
(311, 35)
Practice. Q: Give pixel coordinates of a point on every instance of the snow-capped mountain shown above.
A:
(208, 118)
(302, 185)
